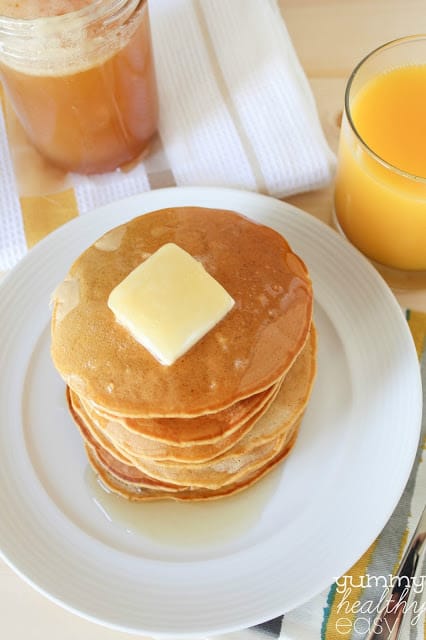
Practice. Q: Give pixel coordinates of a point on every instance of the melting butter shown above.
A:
(65, 298)
(111, 241)
(169, 302)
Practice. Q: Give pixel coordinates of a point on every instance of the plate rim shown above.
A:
(192, 193)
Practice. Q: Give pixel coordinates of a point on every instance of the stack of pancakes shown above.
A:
(229, 409)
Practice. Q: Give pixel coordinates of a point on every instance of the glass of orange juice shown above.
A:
(80, 77)
(380, 190)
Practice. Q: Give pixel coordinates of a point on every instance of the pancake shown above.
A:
(253, 450)
(205, 429)
(257, 445)
(215, 473)
(286, 407)
(227, 411)
(219, 472)
(120, 467)
(250, 350)
(288, 401)
(140, 494)
(128, 442)
(241, 460)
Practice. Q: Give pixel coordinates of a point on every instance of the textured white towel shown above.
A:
(236, 110)
(236, 107)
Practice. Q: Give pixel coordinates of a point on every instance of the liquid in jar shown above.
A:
(80, 76)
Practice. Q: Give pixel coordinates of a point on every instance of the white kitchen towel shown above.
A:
(236, 107)
(236, 110)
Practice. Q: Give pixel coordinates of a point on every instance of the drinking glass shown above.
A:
(380, 188)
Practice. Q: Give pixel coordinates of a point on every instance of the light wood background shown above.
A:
(330, 37)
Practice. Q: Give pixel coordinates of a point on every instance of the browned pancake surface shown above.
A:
(262, 442)
(139, 445)
(185, 432)
(245, 353)
(145, 493)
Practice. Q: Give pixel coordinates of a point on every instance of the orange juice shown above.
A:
(85, 93)
(380, 195)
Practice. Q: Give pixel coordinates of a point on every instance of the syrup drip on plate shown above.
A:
(184, 524)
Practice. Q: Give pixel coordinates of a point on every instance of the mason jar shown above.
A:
(80, 77)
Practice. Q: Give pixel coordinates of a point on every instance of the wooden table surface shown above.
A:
(330, 37)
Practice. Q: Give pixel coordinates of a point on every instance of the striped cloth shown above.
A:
(236, 110)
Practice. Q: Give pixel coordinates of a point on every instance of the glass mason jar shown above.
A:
(82, 83)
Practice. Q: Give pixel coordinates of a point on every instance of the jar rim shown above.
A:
(352, 77)
(59, 45)
(96, 10)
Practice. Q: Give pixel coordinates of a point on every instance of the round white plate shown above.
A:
(191, 570)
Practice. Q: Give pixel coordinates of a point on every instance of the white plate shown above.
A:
(187, 570)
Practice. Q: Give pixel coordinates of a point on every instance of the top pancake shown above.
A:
(245, 353)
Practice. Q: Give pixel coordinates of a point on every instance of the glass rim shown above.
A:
(376, 156)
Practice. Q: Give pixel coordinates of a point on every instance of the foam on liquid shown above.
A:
(30, 9)
(54, 51)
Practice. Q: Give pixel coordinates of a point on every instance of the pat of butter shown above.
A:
(169, 302)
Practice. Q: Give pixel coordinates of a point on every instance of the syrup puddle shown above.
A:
(185, 524)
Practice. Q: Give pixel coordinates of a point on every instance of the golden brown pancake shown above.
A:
(121, 468)
(248, 351)
(205, 429)
(139, 494)
(136, 444)
(215, 473)
(229, 409)
(241, 460)
(288, 401)
(220, 472)
(286, 407)
(254, 448)
(260, 444)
